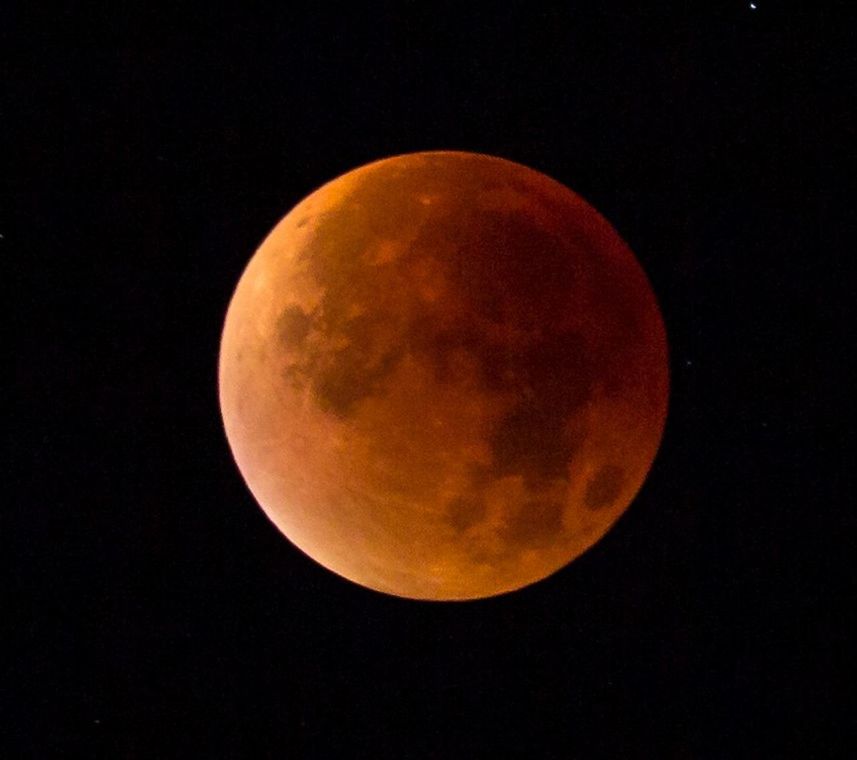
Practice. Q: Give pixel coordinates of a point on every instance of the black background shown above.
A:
(155, 611)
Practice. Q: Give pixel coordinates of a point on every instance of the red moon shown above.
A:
(444, 376)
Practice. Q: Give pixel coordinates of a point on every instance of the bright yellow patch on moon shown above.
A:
(443, 376)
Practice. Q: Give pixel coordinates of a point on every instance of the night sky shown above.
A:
(155, 611)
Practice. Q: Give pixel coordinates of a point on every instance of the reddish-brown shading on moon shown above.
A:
(443, 376)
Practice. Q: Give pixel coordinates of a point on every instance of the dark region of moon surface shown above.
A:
(443, 376)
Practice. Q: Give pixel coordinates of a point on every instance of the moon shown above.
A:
(443, 376)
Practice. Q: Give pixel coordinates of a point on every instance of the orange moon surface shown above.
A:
(444, 376)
